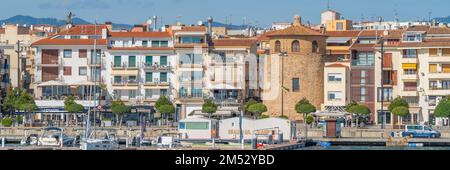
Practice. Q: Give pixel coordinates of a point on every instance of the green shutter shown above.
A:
(197, 125)
(131, 61)
(163, 60)
(163, 77)
(149, 77)
(149, 60)
(117, 61)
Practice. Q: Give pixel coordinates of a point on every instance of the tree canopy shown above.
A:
(401, 111)
(359, 110)
(351, 104)
(163, 100)
(119, 108)
(257, 108)
(209, 107)
(19, 100)
(398, 102)
(249, 103)
(304, 106)
(443, 108)
(167, 109)
(71, 106)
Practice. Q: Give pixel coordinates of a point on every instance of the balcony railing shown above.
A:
(125, 82)
(122, 66)
(410, 89)
(154, 67)
(409, 56)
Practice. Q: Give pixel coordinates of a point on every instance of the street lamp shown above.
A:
(383, 124)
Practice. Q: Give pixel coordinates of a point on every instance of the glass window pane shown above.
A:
(132, 61)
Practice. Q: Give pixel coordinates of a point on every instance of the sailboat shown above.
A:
(90, 142)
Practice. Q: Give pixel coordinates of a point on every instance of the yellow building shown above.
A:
(339, 25)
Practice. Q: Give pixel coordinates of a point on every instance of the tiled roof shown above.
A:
(141, 34)
(352, 33)
(141, 48)
(295, 30)
(192, 29)
(418, 28)
(84, 30)
(50, 41)
(362, 47)
(234, 42)
(438, 30)
(2, 30)
(371, 33)
(336, 65)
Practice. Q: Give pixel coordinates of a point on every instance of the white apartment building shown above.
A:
(336, 86)
(416, 66)
(69, 63)
(140, 67)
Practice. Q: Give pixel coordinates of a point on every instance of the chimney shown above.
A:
(297, 20)
(155, 23)
(104, 33)
(210, 21)
(109, 25)
(323, 29)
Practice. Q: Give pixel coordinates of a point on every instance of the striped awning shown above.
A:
(338, 40)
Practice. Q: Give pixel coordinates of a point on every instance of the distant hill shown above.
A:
(28, 20)
(443, 19)
(229, 26)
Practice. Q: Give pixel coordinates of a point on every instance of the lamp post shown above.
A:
(282, 54)
(383, 124)
(18, 51)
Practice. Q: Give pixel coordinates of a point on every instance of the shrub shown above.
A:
(7, 122)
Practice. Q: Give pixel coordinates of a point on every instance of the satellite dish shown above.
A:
(149, 21)
(200, 23)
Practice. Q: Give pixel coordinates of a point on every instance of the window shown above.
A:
(182, 125)
(334, 77)
(148, 93)
(82, 53)
(339, 26)
(412, 37)
(132, 94)
(67, 53)
(164, 43)
(410, 53)
(295, 84)
(67, 71)
(364, 59)
(191, 59)
(197, 125)
(131, 61)
(363, 91)
(412, 101)
(334, 96)
(117, 79)
(446, 68)
(432, 100)
(387, 94)
(163, 92)
(433, 68)
(148, 60)
(315, 47)
(410, 71)
(433, 85)
(145, 43)
(277, 46)
(410, 86)
(148, 77)
(163, 77)
(82, 71)
(163, 60)
(117, 61)
(445, 84)
(295, 46)
(191, 40)
(132, 79)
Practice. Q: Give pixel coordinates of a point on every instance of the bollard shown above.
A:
(3, 142)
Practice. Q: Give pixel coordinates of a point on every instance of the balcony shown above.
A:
(123, 66)
(50, 63)
(437, 59)
(156, 82)
(409, 91)
(126, 82)
(438, 75)
(156, 67)
(410, 76)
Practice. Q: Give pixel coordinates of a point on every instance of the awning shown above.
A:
(338, 40)
(52, 83)
(409, 66)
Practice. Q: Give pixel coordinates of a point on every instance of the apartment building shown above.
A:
(140, 67)
(416, 66)
(339, 43)
(293, 69)
(336, 86)
(362, 84)
(70, 63)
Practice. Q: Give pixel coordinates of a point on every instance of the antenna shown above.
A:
(328, 5)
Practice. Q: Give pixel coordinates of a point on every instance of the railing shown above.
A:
(410, 89)
(150, 66)
(439, 88)
(190, 95)
(409, 56)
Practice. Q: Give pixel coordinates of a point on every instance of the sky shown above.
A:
(254, 12)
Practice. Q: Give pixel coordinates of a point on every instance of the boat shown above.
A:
(50, 136)
(107, 142)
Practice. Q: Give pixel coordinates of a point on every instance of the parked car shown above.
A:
(420, 131)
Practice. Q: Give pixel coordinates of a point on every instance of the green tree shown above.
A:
(72, 107)
(257, 109)
(305, 107)
(443, 108)
(120, 109)
(398, 102)
(351, 104)
(359, 110)
(309, 119)
(163, 100)
(7, 122)
(166, 110)
(209, 107)
(9, 102)
(249, 103)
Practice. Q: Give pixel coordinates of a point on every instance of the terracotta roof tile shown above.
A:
(352, 33)
(362, 47)
(142, 48)
(84, 30)
(141, 34)
(295, 30)
(50, 41)
(439, 30)
(234, 42)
